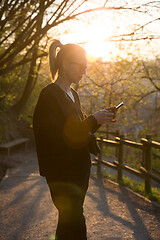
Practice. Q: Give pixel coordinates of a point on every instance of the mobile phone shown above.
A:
(119, 105)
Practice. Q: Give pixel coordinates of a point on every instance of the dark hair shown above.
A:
(58, 52)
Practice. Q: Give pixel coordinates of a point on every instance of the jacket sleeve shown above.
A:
(92, 122)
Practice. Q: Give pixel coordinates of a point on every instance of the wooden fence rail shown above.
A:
(146, 146)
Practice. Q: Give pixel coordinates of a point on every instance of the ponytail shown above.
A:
(67, 51)
(53, 63)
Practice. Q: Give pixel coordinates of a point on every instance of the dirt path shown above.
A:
(112, 212)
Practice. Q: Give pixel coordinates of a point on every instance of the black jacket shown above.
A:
(62, 136)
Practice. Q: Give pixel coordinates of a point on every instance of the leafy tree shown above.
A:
(24, 26)
(108, 83)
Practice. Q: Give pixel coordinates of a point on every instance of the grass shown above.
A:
(136, 186)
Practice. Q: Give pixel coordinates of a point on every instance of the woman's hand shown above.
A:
(105, 115)
(113, 110)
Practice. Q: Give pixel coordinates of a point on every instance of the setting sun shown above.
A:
(96, 46)
(100, 49)
(94, 35)
(96, 32)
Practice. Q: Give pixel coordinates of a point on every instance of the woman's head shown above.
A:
(67, 60)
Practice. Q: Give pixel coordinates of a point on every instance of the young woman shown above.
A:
(63, 138)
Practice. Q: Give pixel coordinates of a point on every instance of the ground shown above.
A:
(112, 212)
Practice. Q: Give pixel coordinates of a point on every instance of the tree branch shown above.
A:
(136, 30)
(24, 61)
(142, 97)
(149, 77)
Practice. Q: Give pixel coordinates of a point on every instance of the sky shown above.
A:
(95, 33)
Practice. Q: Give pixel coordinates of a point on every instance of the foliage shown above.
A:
(108, 83)
(12, 85)
(24, 37)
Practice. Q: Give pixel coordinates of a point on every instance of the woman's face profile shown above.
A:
(76, 67)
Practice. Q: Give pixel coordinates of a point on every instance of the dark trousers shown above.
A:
(68, 199)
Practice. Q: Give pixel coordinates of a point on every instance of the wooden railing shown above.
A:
(107, 133)
(145, 146)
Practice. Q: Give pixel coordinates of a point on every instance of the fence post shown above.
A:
(100, 157)
(117, 149)
(120, 158)
(148, 163)
(107, 129)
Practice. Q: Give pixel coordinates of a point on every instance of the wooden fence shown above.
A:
(145, 146)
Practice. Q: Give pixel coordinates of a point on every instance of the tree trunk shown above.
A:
(32, 75)
(21, 103)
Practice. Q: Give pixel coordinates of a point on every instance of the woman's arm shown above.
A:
(94, 121)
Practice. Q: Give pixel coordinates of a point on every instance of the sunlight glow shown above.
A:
(100, 49)
(94, 36)
(94, 33)
(96, 46)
